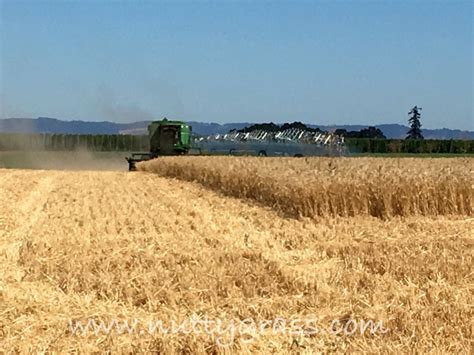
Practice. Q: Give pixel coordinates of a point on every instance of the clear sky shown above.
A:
(325, 62)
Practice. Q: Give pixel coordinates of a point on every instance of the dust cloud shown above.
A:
(80, 159)
(28, 151)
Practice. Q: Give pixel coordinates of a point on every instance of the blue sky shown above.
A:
(348, 62)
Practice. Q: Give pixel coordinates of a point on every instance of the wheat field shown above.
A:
(226, 238)
(313, 187)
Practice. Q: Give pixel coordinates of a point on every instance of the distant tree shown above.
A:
(341, 132)
(299, 125)
(372, 132)
(369, 132)
(415, 124)
(295, 124)
(272, 127)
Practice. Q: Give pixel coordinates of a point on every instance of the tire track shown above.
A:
(27, 213)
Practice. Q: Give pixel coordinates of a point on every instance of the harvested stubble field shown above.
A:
(76, 245)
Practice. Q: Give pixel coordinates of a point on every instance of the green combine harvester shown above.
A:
(166, 138)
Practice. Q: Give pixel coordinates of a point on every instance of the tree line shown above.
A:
(423, 146)
(65, 142)
(272, 127)
(132, 143)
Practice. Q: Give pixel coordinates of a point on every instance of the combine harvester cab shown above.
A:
(166, 138)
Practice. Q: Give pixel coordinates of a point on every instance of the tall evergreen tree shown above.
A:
(415, 124)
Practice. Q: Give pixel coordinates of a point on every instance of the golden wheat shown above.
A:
(329, 187)
(76, 245)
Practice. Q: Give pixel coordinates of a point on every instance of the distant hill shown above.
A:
(53, 125)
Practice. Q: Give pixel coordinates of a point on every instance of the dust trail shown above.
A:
(80, 159)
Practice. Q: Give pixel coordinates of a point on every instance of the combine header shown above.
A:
(175, 138)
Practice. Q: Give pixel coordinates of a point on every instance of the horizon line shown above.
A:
(230, 123)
